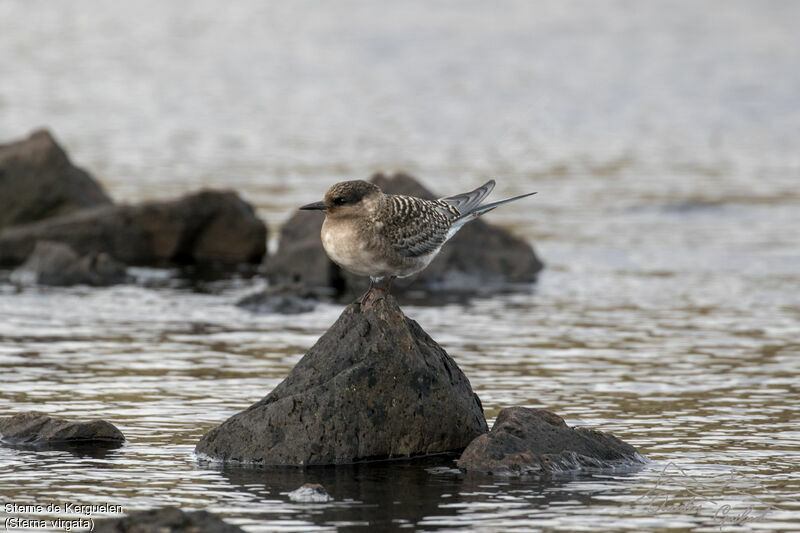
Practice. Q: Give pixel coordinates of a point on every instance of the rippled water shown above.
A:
(662, 139)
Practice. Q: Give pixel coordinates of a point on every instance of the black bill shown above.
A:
(316, 205)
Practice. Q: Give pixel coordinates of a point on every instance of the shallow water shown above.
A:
(661, 139)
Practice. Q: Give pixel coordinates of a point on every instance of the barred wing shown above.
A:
(418, 227)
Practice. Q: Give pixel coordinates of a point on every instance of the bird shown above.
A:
(388, 236)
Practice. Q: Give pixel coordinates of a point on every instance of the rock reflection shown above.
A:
(379, 494)
(425, 491)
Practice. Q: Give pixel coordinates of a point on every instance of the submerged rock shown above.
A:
(524, 441)
(38, 181)
(164, 520)
(310, 493)
(36, 429)
(208, 227)
(478, 255)
(54, 263)
(374, 386)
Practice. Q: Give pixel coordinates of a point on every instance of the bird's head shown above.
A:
(348, 198)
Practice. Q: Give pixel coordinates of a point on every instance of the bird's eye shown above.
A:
(339, 201)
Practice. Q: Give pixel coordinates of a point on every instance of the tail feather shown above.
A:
(468, 201)
(477, 211)
(481, 209)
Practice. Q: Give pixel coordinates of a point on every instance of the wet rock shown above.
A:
(36, 429)
(286, 299)
(310, 493)
(479, 255)
(54, 263)
(38, 181)
(208, 227)
(164, 520)
(524, 441)
(374, 386)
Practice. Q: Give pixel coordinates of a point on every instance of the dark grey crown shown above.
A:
(350, 192)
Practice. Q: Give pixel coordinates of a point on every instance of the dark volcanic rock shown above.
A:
(164, 520)
(54, 263)
(37, 181)
(287, 299)
(374, 386)
(36, 429)
(478, 255)
(203, 228)
(526, 440)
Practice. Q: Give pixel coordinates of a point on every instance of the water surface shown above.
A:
(661, 138)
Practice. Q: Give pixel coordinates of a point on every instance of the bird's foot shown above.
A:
(371, 297)
(375, 293)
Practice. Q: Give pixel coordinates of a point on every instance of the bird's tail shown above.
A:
(481, 209)
(468, 201)
(478, 210)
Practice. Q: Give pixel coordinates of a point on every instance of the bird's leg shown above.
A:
(381, 290)
(363, 300)
(385, 289)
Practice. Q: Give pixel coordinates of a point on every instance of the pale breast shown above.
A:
(344, 246)
(351, 250)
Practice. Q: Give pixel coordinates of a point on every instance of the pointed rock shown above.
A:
(531, 441)
(374, 386)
